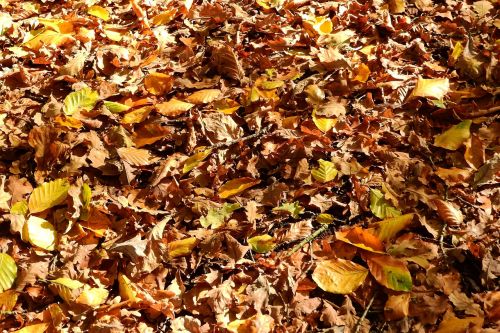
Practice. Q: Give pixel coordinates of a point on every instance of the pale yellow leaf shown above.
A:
(40, 233)
(432, 88)
(50, 38)
(339, 276)
(48, 195)
(181, 247)
(128, 291)
(236, 186)
(194, 160)
(454, 137)
(8, 271)
(92, 296)
(99, 12)
(83, 99)
(262, 243)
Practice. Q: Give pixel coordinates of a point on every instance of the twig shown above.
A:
(307, 239)
(363, 316)
(441, 239)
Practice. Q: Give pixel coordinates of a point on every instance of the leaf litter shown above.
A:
(250, 166)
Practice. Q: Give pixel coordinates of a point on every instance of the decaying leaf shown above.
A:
(449, 213)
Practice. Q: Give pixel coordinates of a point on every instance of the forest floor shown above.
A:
(249, 166)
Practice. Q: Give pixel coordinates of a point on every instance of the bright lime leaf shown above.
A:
(339, 276)
(262, 243)
(48, 195)
(380, 207)
(293, 208)
(389, 272)
(83, 99)
(216, 218)
(115, 107)
(454, 137)
(8, 271)
(325, 172)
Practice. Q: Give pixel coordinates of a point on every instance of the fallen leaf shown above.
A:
(48, 195)
(262, 243)
(325, 172)
(388, 228)
(360, 238)
(432, 88)
(380, 207)
(448, 213)
(397, 306)
(339, 276)
(40, 233)
(389, 272)
(181, 247)
(158, 83)
(83, 99)
(173, 108)
(203, 96)
(236, 186)
(454, 137)
(99, 12)
(8, 272)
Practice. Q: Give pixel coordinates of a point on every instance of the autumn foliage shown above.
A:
(249, 166)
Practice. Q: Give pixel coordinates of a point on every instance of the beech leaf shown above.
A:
(262, 243)
(339, 276)
(83, 99)
(380, 207)
(48, 195)
(448, 213)
(325, 172)
(454, 137)
(8, 271)
(389, 272)
(236, 186)
(40, 233)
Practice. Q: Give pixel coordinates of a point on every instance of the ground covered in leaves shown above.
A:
(249, 166)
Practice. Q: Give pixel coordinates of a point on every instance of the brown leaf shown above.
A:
(226, 62)
(448, 213)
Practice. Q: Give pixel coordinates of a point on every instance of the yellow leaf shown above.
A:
(325, 218)
(48, 37)
(181, 247)
(194, 160)
(360, 238)
(174, 107)
(83, 99)
(158, 83)
(40, 233)
(315, 94)
(454, 137)
(137, 116)
(8, 272)
(99, 12)
(92, 296)
(48, 195)
(324, 124)
(362, 73)
(433, 88)
(203, 96)
(115, 107)
(339, 276)
(68, 289)
(397, 6)
(113, 34)
(37, 328)
(135, 156)
(8, 299)
(68, 121)
(163, 18)
(457, 51)
(236, 186)
(58, 25)
(388, 228)
(127, 288)
(322, 25)
(325, 172)
(226, 105)
(262, 243)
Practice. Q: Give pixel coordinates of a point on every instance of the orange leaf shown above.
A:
(361, 238)
(397, 306)
(448, 213)
(158, 83)
(236, 186)
(363, 73)
(149, 133)
(174, 107)
(203, 96)
(452, 324)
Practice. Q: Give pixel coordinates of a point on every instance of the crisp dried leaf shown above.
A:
(135, 156)
(194, 160)
(324, 124)
(397, 306)
(325, 172)
(40, 233)
(8, 271)
(174, 107)
(149, 133)
(8, 299)
(49, 38)
(236, 186)
(452, 324)
(163, 18)
(203, 96)
(262, 243)
(83, 99)
(48, 195)
(454, 137)
(431, 88)
(389, 272)
(158, 83)
(380, 207)
(448, 213)
(4, 196)
(339, 276)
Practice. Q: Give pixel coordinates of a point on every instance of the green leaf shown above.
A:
(380, 207)
(389, 272)
(339, 276)
(262, 243)
(293, 208)
(115, 107)
(454, 137)
(215, 218)
(19, 208)
(83, 99)
(325, 172)
(8, 272)
(48, 195)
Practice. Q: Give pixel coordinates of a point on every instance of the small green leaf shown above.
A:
(115, 107)
(216, 218)
(380, 207)
(325, 172)
(454, 137)
(48, 195)
(8, 271)
(19, 208)
(293, 208)
(262, 243)
(83, 99)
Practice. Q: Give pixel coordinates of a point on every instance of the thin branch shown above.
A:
(308, 239)
(363, 316)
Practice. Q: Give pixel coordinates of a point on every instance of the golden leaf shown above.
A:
(158, 83)
(48, 195)
(128, 291)
(397, 306)
(8, 299)
(339, 276)
(203, 96)
(8, 272)
(36, 328)
(433, 88)
(262, 243)
(181, 247)
(236, 186)
(163, 18)
(389, 272)
(325, 172)
(99, 12)
(454, 137)
(194, 160)
(174, 107)
(137, 116)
